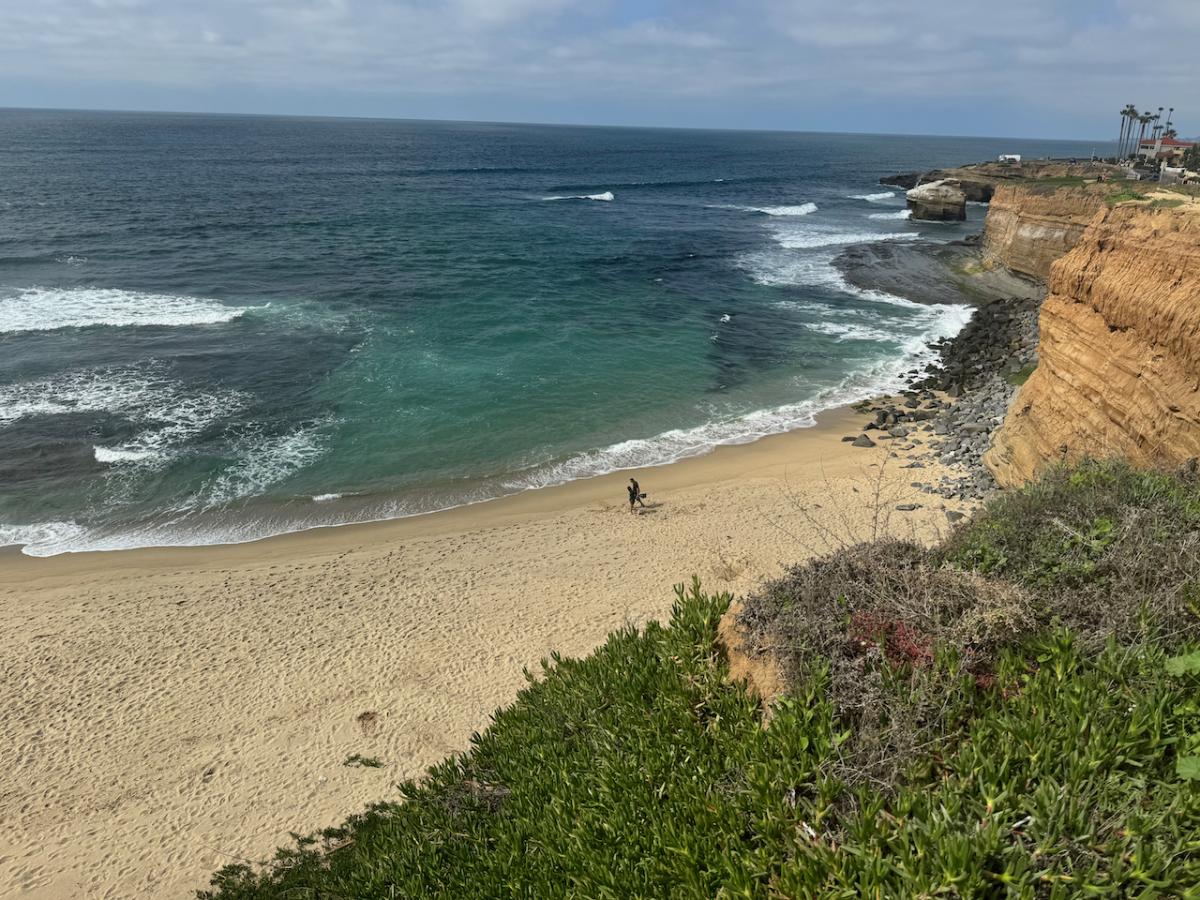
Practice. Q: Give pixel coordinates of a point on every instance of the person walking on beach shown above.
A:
(635, 494)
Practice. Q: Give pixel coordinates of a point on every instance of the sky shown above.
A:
(1020, 68)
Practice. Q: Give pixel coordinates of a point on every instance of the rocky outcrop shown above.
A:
(978, 182)
(1119, 348)
(938, 201)
(928, 272)
(1029, 227)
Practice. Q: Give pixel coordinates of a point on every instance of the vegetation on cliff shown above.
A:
(1013, 713)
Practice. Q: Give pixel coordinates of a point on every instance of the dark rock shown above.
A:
(863, 441)
(906, 180)
(849, 437)
(907, 507)
(954, 516)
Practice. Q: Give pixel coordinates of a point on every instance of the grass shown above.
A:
(1059, 744)
(1018, 378)
(1058, 181)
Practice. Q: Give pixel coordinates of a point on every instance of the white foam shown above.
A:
(266, 461)
(325, 498)
(810, 238)
(121, 454)
(850, 331)
(50, 535)
(605, 197)
(898, 214)
(47, 309)
(165, 415)
(874, 198)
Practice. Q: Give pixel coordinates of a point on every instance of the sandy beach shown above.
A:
(167, 712)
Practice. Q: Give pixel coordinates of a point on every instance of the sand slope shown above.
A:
(167, 712)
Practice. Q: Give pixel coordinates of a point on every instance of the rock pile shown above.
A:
(949, 412)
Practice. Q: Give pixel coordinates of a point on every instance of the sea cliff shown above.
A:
(1029, 227)
(1119, 348)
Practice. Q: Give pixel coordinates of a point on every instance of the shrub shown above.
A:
(902, 637)
(1106, 548)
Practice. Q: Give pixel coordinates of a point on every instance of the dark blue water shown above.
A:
(214, 327)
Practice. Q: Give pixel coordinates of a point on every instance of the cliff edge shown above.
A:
(1029, 227)
(1119, 349)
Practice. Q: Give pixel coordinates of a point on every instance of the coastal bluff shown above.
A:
(1119, 347)
(1028, 228)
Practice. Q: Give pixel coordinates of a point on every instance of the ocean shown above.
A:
(217, 328)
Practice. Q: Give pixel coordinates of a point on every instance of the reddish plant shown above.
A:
(900, 642)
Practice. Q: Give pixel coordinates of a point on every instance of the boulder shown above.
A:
(938, 201)
(863, 441)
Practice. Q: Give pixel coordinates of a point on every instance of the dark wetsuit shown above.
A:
(635, 493)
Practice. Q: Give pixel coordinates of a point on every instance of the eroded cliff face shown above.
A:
(1119, 348)
(1028, 228)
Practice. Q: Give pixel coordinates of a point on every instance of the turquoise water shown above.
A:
(218, 328)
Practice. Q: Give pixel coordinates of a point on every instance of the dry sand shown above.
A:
(167, 712)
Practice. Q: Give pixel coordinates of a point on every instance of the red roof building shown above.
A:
(1170, 151)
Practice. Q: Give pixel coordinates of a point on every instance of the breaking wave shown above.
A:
(606, 197)
(800, 209)
(874, 198)
(812, 238)
(49, 309)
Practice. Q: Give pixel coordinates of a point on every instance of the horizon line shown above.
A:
(275, 115)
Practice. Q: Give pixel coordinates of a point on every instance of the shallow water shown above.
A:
(214, 328)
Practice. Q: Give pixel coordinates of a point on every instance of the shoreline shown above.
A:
(174, 710)
(607, 488)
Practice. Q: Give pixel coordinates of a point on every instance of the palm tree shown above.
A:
(1121, 139)
(1128, 114)
(1144, 119)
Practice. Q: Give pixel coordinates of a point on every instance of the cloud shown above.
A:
(1058, 68)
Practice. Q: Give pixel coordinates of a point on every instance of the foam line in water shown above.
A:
(874, 198)
(605, 197)
(799, 209)
(49, 309)
(898, 214)
(809, 238)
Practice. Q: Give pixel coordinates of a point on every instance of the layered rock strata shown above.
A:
(1028, 228)
(1119, 350)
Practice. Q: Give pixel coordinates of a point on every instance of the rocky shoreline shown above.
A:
(949, 411)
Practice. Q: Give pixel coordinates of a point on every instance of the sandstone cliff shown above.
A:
(1119, 369)
(1029, 228)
